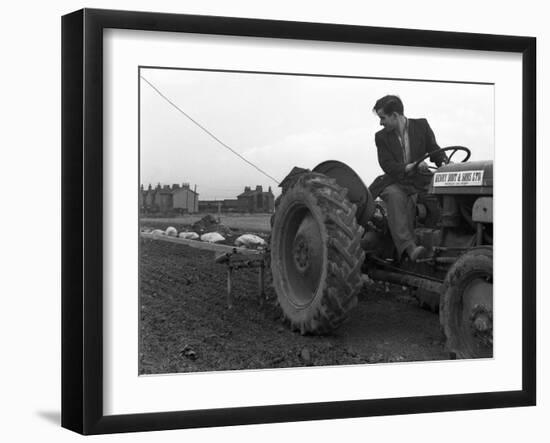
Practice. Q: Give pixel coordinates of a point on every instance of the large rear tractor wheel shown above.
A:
(466, 310)
(316, 255)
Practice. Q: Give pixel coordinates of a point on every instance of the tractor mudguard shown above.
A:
(357, 193)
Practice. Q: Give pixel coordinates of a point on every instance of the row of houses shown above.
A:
(182, 199)
(166, 198)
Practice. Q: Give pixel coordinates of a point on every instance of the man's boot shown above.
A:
(415, 252)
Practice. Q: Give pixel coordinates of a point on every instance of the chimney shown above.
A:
(150, 187)
(158, 186)
(269, 190)
(167, 187)
(175, 186)
(247, 189)
(259, 188)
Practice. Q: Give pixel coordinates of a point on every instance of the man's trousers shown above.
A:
(401, 211)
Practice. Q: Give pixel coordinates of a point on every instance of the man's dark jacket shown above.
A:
(390, 156)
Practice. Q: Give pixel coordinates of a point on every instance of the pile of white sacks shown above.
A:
(250, 241)
(245, 240)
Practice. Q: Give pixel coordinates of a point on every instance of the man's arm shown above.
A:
(386, 160)
(431, 146)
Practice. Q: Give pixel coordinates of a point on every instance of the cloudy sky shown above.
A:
(279, 121)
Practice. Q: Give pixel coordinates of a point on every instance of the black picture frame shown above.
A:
(82, 218)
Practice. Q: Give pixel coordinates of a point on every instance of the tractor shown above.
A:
(329, 233)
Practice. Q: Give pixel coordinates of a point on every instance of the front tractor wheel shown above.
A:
(316, 255)
(466, 310)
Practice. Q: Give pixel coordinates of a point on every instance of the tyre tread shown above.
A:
(344, 255)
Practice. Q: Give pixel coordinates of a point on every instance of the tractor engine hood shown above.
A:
(474, 178)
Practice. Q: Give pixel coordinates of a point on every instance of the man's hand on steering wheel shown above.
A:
(423, 167)
(413, 168)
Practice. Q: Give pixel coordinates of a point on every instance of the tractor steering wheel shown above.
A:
(414, 168)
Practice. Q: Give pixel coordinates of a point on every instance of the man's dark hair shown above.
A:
(389, 104)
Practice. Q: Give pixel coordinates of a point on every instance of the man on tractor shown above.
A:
(403, 141)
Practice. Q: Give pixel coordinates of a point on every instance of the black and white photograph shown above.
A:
(292, 220)
(256, 221)
(288, 221)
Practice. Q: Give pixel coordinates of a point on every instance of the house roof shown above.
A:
(184, 189)
(164, 191)
(169, 190)
(253, 192)
(248, 193)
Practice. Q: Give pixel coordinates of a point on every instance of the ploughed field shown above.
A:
(186, 326)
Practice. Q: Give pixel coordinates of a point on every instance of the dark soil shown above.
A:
(185, 324)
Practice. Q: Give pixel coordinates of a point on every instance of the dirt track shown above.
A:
(186, 326)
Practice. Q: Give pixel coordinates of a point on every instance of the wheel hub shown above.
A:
(482, 324)
(301, 252)
(478, 311)
(481, 321)
(305, 258)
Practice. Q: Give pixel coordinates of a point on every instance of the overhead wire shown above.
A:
(206, 130)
